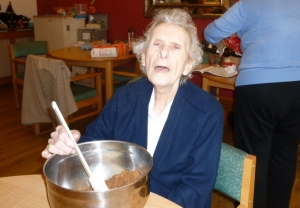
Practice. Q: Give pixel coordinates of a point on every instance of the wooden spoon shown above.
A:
(97, 183)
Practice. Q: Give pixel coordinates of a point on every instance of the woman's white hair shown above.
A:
(177, 17)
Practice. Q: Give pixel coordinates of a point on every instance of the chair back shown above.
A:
(24, 49)
(46, 80)
(18, 53)
(236, 175)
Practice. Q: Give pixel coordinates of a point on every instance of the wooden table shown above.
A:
(210, 80)
(74, 56)
(29, 191)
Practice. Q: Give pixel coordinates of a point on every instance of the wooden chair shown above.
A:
(18, 54)
(47, 83)
(236, 175)
(123, 74)
(141, 76)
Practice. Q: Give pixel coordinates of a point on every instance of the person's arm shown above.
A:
(229, 23)
(198, 178)
(100, 128)
(103, 126)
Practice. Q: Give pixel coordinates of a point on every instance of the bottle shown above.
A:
(130, 39)
(207, 47)
(230, 57)
(11, 21)
(9, 9)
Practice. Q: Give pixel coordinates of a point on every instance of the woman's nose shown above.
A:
(164, 53)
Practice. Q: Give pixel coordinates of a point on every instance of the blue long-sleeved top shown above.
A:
(269, 31)
(186, 158)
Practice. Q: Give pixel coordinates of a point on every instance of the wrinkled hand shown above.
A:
(60, 143)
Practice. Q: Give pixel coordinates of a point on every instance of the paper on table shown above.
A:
(104, 52)
(216, 70)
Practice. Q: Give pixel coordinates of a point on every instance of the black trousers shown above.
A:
(267, 125)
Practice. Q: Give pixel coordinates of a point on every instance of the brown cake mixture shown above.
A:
(124, 178)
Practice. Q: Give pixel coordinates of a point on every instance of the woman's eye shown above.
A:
(176, 47)
(157, 43)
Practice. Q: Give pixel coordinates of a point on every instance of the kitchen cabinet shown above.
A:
(59, 31)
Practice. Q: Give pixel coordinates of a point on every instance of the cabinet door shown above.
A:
(60, 32)
(70, 27)
(55, 33)
(40, 29)
(49, 29)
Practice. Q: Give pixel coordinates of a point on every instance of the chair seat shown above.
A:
(118, 78)
(81, 92)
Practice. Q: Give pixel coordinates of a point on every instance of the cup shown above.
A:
(120, 48)
(125, 50)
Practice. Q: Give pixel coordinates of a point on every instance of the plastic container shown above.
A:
(80, 8)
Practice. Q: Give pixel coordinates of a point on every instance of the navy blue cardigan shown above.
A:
(186, 158)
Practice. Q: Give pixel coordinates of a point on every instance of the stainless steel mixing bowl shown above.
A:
(67, 182)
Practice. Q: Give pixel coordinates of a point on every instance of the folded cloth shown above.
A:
(104, 52)
(230, 69)
(45, 80)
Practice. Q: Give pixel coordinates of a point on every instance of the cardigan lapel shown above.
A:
(142, 107)
(171, 123)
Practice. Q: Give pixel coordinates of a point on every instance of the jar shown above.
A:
(228, 61)
(228, 57)
(130, 39)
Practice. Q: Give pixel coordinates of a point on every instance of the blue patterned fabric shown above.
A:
(230, 172)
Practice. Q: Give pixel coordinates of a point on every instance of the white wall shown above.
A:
(21, 7)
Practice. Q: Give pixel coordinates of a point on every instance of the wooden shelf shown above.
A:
(196, 10)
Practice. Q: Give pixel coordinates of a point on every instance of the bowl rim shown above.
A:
(100, 141)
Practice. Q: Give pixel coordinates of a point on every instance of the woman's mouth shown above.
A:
(162, 69)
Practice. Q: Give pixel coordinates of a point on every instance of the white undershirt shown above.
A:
(155, 124)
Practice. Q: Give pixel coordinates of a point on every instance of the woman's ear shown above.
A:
(188, 68)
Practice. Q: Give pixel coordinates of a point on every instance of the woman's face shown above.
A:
(166, 57)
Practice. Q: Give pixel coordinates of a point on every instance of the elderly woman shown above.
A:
(176, 121)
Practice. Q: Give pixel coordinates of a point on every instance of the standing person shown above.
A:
(267, 102)
(177, 122)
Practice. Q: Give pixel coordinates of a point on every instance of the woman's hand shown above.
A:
(60, 143)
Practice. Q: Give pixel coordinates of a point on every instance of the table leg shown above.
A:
(108, 81)
(205, 86)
